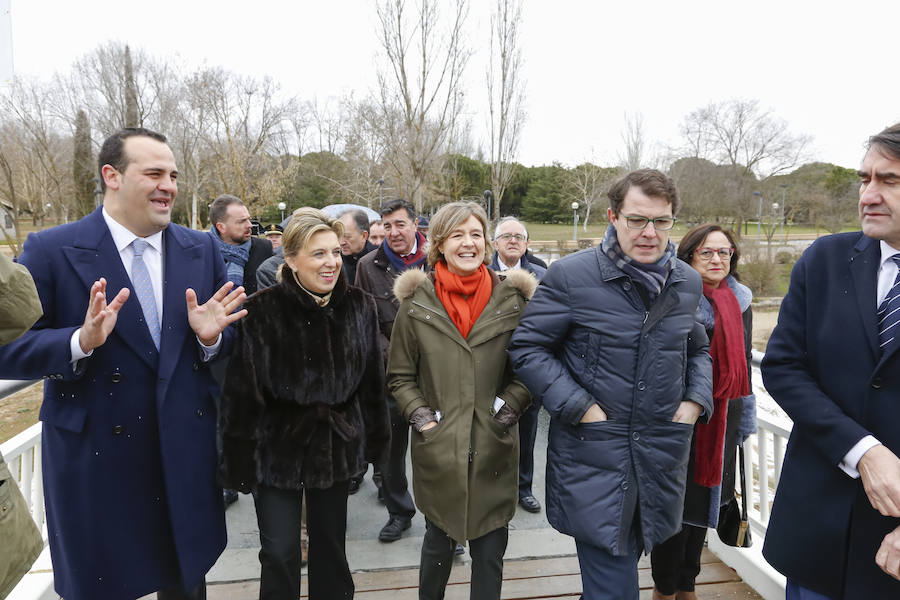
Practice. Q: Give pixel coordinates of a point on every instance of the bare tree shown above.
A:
(506, 94)
(740, 132)
(633, 138)
(423, 61)
(587, 184)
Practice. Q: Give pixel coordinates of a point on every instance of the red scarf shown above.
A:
(729, 362)
(464, 297)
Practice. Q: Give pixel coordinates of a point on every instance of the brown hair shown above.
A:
(693, 238)
(449, 217)
(652, 182)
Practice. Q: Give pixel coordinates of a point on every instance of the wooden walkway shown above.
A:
(539, 578)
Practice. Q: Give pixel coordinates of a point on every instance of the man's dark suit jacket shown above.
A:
(824, 368)
(260, 250)
(129, 454)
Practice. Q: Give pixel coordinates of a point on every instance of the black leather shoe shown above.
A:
(355, 482)
(530, 503)
(394, 528)
(229, 497)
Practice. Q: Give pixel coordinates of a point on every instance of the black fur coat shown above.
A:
(303, 403)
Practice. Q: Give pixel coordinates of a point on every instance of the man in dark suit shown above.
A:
(832, 364)
(129, 455)
(511, 242)
(230, 226)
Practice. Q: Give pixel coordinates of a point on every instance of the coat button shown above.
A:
(641, 386)
(626, 286)
(624, 485)
(876, 383)
(116, 377)
(118, 429)
(199, 413)
(635, 436)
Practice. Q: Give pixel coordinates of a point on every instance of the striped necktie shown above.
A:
(143, 287)
(889, 314)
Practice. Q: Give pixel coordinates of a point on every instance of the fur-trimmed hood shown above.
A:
(406, 284)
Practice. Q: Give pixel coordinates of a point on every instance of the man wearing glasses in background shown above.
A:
(610, 346)
(511, 242)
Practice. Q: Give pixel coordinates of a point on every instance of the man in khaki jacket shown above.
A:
(20, 307)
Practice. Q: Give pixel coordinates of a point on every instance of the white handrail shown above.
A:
(23, 455)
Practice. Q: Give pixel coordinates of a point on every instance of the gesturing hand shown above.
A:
(879, 469)
(101, 317)
(211, 318)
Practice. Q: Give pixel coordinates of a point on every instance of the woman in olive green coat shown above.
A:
(449, 373)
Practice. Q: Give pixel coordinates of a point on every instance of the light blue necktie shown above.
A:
(889, 314)
(143, 287)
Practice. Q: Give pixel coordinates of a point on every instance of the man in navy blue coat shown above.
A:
(833, 367)
(128, 445)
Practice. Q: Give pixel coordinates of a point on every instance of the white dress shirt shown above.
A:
(152, 256)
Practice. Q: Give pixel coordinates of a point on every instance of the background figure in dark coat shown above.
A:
(303, 410)
(129, 426)
(511, 242)
(355, 243)
(403, 248)
(231, 227)
(713, 252)
(834, 525)
(610, 345)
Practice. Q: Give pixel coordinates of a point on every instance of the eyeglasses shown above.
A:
(659, 223)
(706, 254)
(511, 236)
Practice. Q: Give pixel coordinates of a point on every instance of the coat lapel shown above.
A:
(864, 269)
(93, 255)
(182, 263)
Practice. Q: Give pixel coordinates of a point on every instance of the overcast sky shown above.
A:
(829, 69)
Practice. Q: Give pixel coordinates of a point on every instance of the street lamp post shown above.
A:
(380, 194)
(98, 192)
(759, 218)
(488, 201)
(575, 222)
(281, 207)
(784, 188)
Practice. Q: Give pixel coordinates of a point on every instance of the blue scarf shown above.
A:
(652, 276)
(402, 265)
(236, 257)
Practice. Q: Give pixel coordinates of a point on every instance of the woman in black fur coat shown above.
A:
(303, 408)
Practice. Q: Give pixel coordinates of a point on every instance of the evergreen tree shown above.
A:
(131, 102)
(83, 165)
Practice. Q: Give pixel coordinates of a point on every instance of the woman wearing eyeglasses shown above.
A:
(725, 313)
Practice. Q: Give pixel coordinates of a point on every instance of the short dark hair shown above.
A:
(652, 182)
(219, 208)
(112, 152)
(693, 238)
(888, 141)
(395, 205)
(360, 218)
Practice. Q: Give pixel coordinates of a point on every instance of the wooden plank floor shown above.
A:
(539, 578)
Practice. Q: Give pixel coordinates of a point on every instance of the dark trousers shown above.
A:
(178, 593)
(437, 559)
(675, 563)
(795, 591)
(278, 515)
(608, 577)
(394, 484)
(528, 424)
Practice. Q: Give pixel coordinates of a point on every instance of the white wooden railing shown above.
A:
(23, 455)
